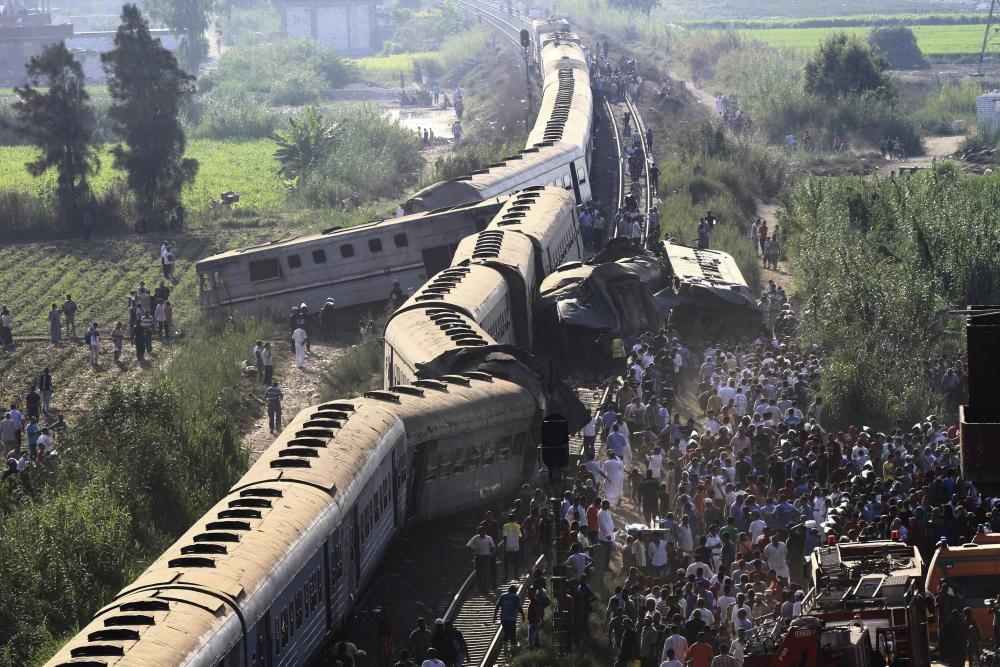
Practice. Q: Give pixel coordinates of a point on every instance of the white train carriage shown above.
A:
(548, 217)
(273, 569)
(354, 265)
(417, 337)
(479, 292)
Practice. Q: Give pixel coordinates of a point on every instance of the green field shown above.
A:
(933, 39)
(247, 167)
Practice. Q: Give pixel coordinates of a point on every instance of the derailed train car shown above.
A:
(270, 571)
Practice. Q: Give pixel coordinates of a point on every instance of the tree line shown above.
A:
(148, 89)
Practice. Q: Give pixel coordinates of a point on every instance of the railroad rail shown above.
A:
(509, 26)
(644, 196)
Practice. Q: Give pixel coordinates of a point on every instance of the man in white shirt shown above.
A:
(299, 337)
(776, 556)
(657, 551)
(736, 647)
(677, 643)
(578, 561)
(483, 547)
(605, 535)
(757, 526)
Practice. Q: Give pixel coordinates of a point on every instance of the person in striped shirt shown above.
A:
(273, 396)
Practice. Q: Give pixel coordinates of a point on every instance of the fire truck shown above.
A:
(808, 640)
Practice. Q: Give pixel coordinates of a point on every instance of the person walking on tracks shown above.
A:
(483, 547)
(300, 338)
(508, 607)
(273, 396)
(512, 535)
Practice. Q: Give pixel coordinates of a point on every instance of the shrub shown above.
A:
(899, 45)
(223, 115)
(373, 156)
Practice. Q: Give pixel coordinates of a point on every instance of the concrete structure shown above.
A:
(988, 113)
(346, 26)
(24, 32)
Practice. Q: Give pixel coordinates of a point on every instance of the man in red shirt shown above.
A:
(700, 653)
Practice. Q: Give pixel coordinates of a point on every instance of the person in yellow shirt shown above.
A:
(511, 533)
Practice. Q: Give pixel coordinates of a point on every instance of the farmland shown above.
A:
(247, 167)
(932, 39)
(99, 275)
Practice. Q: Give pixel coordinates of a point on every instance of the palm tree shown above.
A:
(308, 140)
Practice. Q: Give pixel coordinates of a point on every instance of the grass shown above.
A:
(841, 21)
(934, 40)
(385, 70)
(247, 167)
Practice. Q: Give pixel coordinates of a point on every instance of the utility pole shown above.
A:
(526, 47)
(986, 36)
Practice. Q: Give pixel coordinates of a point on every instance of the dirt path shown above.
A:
(300, 387)
(935, 148)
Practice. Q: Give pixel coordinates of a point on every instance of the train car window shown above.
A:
(375, 245)
(400, 240)
(294, 261)
(284, 633)
(473, 460)
(265, 269)
(319, 256)
(503, 447)
(298, 609)
(458, 467)
(444, 465)
(347, 250)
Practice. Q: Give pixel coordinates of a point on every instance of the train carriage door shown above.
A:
(437, 259)
(576, 183)
(259, 643)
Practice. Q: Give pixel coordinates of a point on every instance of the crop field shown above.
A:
(99, 275)
(932, 39)
(247, 167)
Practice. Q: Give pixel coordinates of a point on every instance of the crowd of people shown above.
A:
(25, 440)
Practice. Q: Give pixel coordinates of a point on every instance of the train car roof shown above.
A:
(466, 288)
(565, 112)
(532, 212)
(152, 629)
(480, 399)
(326, 446)
(423, 334)
(386, 224)
(496, 246)
(710, 268)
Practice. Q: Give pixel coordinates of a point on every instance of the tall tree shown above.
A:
(189, 19)
(53, 109)
(148, 89)
(846, 65)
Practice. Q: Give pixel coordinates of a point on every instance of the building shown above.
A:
(346, 26)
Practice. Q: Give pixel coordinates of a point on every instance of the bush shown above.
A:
(886, 260)
(358, 370)
(899, 45)
(950, 101)
(267, 71)
(222, 115)
(129, 478)
(424, 31)
(373, 157)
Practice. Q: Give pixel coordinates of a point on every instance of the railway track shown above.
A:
(492, 15)
(640, 187)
